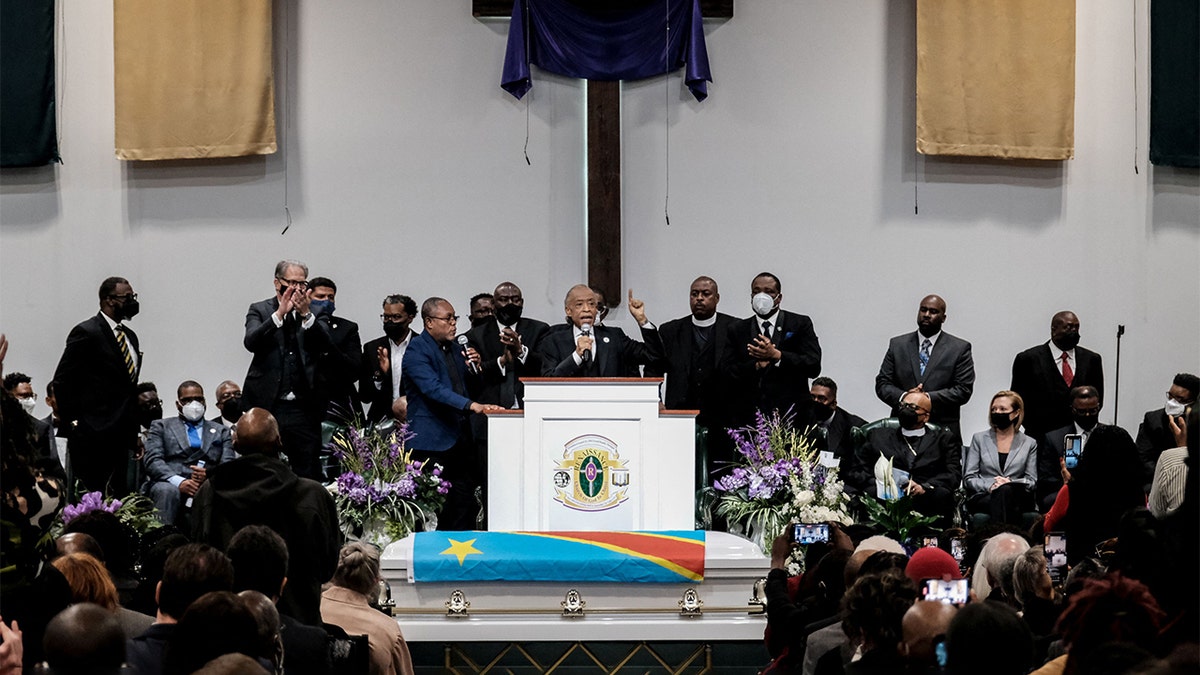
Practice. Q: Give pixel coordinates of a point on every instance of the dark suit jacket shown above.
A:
(680, 350)
(374, 385)
(615, 352)
(262, 386)
(1038, 379)
(781, 386)
(437, 415)
(93, 387)
(338, 367)
(938, 460)
(1154, 436)
(505, 389)
(949, 376)
(169, 452)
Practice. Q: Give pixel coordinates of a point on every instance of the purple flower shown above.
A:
(406, 487)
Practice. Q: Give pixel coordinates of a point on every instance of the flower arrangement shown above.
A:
(135, 511)
(382, 493)
(778, 480)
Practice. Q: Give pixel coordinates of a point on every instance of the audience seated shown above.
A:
(216, 623)
(1033, 590)
(872, 612)
(346, 603)
(987, 638)
(90, 583)
(923, 632)
(85, 639)
(1000, 469)
(992, 578)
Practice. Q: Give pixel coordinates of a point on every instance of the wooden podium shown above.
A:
(591, 454)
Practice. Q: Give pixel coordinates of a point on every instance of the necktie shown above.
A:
(767, 329)
(1068, 374)
(455, 377)
(926, 346)
(193, 432)
(120, 333)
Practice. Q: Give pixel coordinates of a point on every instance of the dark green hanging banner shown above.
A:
(27, 127)
(1175, 82)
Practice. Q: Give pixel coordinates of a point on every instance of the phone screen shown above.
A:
(1056, 557)
(1074, 447)
(926, 542)
(953, 592)
(958, 549)
(810, 533)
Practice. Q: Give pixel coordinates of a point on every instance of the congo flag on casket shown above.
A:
(674, 556)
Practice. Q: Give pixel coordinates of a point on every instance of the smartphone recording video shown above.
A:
(951, 592)
(810, 533)
(1073, 448)
(1056, 557)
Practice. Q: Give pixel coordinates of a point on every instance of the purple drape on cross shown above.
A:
(606, 41)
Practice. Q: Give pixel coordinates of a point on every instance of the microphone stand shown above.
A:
(1117, 386)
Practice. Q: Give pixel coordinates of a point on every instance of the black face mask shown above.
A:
(150, 414)
(127, 310)
(479, 321)
(909, 418)
(1086, 422)
(395, 331)
(508, 315)
(821, 411)
(1002, 420)
(231, 409)
(1068, 341)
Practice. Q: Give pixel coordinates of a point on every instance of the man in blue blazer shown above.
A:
(932, 361)
(174, 449)
(580, 348)
(437, 381)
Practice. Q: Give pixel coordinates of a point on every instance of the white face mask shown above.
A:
(193, 411)
(1173, 408)
(762, 304)
(28, 404)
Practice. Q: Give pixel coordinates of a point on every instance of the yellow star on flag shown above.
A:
(461, 549)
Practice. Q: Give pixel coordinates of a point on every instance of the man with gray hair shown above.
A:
(993, 576)
(287, 341)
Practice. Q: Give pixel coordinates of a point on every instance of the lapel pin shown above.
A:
(606, 340)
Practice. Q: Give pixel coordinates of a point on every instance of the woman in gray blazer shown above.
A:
(1000, 470)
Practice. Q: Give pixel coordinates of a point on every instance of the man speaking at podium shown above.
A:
(580, 348)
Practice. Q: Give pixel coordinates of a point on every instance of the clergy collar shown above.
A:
(704, 323)
(912, 433)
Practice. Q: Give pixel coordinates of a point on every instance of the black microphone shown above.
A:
(462, 342)
(586, 356)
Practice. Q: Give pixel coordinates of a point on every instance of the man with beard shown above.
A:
(382, 360)
(1044, 375)
(96, 388)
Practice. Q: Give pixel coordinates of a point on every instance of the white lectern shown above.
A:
(591, 454)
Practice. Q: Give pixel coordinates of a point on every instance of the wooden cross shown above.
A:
(603, 160)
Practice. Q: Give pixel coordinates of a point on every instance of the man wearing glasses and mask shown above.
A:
(286, 340)
(95, 385)
(382, 360)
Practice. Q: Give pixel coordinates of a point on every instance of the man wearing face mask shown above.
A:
(482, 307)
(96, 388)
(833, 427)
(770, 356)
(287, 342)
(229, 404)
(382, 360)
(180, 451)
(1052, 472)
(20, 386)
(932, 460)
(1044, 375)
(1155, 433)
(506, 342)
(339, 364)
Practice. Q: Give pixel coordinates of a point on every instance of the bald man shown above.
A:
(259, 488)
(924, 626)
(931, 361)
(930, 457)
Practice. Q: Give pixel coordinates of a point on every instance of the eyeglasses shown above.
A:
(453, 318)
(31, 397)
(124, 298)
(1086, 413)
(295, 283)
(917, 409)
(393, 318)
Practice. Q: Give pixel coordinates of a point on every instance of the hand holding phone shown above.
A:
(810, 533)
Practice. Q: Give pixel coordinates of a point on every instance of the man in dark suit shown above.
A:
(58, 430)
(96, 387)
(833, 426)
(506, 342)
(437, 382)
(580, 348)
(338, 366)
(287, 342)
(771, 356)
(930, 361)
(1084, 410)
(1155, 434)
(1044, 375)
(181, 450)
(693, 347)
(382, 360)
(20, 386)
(228, 403)
(932, 460)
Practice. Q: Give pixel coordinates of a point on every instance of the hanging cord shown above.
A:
(667, 113)
(287, 50)
(1136, 153)
(60, 91)
(916, 181)
(529, 94)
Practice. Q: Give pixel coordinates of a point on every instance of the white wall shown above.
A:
(404, 172)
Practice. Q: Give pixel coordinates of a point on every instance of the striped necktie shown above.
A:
(120, 332)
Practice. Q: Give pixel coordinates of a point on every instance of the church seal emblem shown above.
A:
(591, 475)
